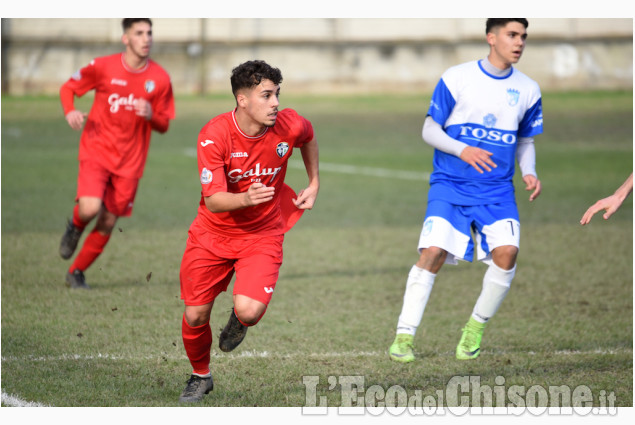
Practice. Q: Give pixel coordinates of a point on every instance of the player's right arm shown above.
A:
(76, 119)
(212, 154)
(79, 83)
(434, 135)
(257, 194)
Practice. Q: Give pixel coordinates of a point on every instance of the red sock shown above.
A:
(198, 343)
(93, 246)
(77, 222)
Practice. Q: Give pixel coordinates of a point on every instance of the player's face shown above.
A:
(507, 44)
(138, 39)
(261, 103)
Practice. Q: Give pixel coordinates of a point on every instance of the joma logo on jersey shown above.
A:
(489, 135)
(115, 102)
(237, 174)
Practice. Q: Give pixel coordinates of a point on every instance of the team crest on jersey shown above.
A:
(512, 97)
(149, 86)
(489, 120)
(282, 149)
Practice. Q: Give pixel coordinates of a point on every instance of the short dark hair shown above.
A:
(251, 73)
(126, 23)
(501, 22)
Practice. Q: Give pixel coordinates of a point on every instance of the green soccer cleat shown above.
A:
(470, 344)
(401, 349)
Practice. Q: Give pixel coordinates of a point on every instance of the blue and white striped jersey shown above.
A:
(488, 112)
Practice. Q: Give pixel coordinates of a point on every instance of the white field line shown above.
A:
(267, 354)
(352, 169)
(14, 401)
(365, 171)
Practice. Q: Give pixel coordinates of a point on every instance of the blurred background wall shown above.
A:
(319, 56)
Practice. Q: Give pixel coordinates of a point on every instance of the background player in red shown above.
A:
(133, 96)
(243, 213)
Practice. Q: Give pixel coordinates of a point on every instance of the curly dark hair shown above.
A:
(251, 73)
(501, 22)
(126, 23)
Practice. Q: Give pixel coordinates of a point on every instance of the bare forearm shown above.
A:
(310, 156)
(625, 189)
(225, 201)
(257, 194)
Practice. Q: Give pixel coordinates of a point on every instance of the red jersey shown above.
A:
(231, 161)
(113, 134)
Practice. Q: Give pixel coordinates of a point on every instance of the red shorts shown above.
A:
(210, 260)
(116, 192)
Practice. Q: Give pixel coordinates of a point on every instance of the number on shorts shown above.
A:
(511, 225)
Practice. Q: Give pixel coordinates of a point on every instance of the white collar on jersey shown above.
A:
(136, 71)
(241, 132)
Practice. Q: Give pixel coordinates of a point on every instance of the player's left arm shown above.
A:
(310, 156)
(530, 126)
(526, 154)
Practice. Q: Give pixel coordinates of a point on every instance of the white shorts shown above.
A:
(450, 228)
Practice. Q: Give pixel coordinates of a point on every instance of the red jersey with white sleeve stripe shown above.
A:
(113, 134)
(231, 161)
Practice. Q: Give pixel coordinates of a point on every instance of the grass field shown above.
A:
(567, 321)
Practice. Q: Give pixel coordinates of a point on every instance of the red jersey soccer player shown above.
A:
(133, 96)
(243, 214)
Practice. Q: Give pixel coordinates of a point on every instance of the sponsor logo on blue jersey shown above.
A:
(487, 135)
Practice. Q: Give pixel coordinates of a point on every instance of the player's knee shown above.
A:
(432, 258)
(436, 252)
(505, 256)
(88, 212)
(250, 313)
(197, 315)
(106, 222)
(89, 207)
